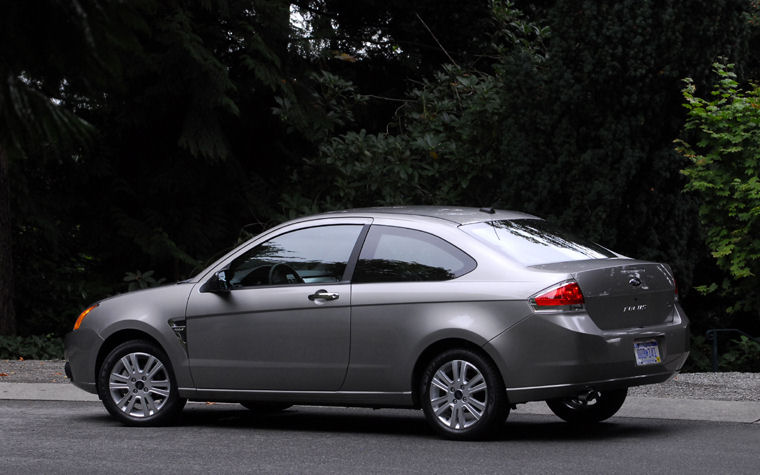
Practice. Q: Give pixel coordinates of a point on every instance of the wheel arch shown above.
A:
(116, 339)
(436, 348)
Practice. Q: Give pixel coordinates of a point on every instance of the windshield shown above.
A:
(534, 241)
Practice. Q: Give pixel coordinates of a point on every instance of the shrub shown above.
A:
(723, 148)
(35, 347)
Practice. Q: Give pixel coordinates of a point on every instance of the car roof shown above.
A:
(454, 214)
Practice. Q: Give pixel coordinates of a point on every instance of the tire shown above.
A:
(463, 395)
(265, 407)
(596, 407)
(137, 385)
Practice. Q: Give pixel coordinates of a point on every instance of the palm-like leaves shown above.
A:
(30, 119)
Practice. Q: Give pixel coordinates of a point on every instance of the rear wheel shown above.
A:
(463, 395)
(137, 386)
(589, 408)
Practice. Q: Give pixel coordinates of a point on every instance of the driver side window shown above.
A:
(311, 255)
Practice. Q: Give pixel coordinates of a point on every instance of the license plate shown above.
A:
(647, 352)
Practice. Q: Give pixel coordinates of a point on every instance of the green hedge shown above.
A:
(35, 347)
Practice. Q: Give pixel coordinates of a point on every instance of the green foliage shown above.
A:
(182, 146)
(598, 118)
(725, 173)
(141, 280)
(741, 354)
(700, 356)
(28, 117)
(391, 32)
(35, 347)
(442, 146)
(328, 108)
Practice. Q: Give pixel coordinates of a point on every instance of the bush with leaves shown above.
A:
(442, 146)
(723, 147)
(142, 280)
(35, 347)
(742, 354)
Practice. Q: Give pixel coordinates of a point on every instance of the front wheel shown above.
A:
(589, 408)
(463, 395)
(137, 386)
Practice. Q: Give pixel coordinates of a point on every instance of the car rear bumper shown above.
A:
(80, 352)
(557, 355)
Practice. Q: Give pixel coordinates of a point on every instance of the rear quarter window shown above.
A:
(392, 254)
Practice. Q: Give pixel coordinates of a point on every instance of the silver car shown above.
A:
(461, 312)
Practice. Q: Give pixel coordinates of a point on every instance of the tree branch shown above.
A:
(436, 40)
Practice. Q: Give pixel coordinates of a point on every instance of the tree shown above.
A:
(40, 46)
(441, 147)
(176, 94)
(724, 171)
(183, 151)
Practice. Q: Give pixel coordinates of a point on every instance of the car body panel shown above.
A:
(78, 351)
(144, 311)
(269, 338)
(393, 323)
(586, 357)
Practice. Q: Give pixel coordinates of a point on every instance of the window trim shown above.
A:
(353, 258)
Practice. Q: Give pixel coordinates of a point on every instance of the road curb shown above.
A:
(45, 392)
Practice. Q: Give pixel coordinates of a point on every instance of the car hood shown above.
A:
(166, 301)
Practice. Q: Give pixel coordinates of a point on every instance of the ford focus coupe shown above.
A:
(461, 312)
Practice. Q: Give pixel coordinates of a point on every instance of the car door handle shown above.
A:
(323, 295)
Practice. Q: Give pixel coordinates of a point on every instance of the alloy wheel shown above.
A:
(458, 394)
(139, 385)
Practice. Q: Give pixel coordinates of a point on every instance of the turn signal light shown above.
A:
(568, 293)
(81, 316)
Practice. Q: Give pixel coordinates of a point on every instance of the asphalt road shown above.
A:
(78, 437)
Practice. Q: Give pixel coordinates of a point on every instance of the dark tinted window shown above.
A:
(534, 241)
(393, 254)
(309, 255)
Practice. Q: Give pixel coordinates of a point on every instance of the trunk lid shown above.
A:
(622, 293)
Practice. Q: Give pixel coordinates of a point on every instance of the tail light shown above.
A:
(675, 285)
(563, 296)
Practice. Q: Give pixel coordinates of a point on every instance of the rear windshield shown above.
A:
(534, 241)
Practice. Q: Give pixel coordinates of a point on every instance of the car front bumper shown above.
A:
(557, 355)
(80, 351)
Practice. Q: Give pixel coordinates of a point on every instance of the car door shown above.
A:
(403, 290)
(285, 323)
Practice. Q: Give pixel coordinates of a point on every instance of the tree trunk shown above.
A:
(7, 311)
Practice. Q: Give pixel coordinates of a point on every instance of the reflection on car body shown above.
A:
(458, 311)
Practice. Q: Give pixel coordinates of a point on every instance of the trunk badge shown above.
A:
(635, 281)
(635, 308)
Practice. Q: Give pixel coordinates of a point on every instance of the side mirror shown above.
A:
(217, 284)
